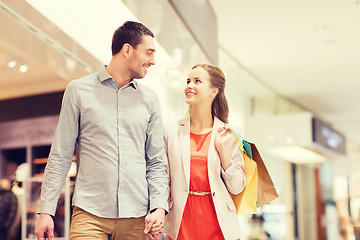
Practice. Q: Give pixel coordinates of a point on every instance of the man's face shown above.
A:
(143, 57)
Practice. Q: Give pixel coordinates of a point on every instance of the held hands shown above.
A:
(44, 227)
(154, 224)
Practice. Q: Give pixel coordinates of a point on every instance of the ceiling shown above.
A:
(29, 38)
(307, 51)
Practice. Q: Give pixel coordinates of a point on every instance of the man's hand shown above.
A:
(154, 224)
(44, 227)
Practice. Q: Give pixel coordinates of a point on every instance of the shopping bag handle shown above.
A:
(237, 136)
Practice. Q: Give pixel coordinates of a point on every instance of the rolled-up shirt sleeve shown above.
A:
(61, 152)
(156, 161)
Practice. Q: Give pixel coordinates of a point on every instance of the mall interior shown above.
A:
(292, 85)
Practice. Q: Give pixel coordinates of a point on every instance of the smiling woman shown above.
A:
(199, 148)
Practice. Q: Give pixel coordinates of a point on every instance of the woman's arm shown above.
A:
(232, 162)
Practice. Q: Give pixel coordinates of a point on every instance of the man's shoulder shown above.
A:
(79, 83)
(84, 79)
(145, 90)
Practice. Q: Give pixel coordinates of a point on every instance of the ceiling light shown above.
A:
(11, 64)
(23, 68)
(297, 154)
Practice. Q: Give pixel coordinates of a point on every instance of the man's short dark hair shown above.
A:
(129, 32)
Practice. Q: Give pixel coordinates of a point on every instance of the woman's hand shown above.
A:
(154, 224)
(222, 136)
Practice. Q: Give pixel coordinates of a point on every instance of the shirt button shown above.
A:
(213, 194)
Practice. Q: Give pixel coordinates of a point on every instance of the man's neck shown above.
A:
(118, 72)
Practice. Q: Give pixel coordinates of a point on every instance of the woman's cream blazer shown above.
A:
(177, 147)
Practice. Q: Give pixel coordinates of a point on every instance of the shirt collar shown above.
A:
(105, 75)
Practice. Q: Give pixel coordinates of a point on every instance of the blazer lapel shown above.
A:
(213, 160)
(184, 136)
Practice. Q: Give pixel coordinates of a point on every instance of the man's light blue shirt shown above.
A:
(122, 170)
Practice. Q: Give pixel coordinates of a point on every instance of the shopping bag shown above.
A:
(247, 148)
(245, 202)
(266, 188)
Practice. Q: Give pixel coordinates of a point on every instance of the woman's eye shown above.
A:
(188, 81)
(198, 81)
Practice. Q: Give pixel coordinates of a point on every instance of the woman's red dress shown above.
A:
(199, 219)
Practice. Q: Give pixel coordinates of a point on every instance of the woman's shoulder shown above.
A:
(169, 126)
(234, 128)
(176, 123)
(172, 127)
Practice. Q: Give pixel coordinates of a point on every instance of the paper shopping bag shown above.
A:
(245, 202)
(266, 188)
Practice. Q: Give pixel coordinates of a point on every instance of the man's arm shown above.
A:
(156, 161)
(156, 173)
(59, 160)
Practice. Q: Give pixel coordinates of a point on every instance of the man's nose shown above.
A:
(152, 61)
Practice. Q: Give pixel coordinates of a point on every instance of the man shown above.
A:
(116, 122)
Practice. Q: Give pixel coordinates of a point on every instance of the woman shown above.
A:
(205, 163)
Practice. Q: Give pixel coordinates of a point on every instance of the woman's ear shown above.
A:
(214, 92)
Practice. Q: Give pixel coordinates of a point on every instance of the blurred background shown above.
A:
(293, 82)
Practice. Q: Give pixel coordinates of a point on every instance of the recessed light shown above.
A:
(23, 68)
(11, 64)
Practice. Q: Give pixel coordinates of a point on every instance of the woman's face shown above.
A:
(198, 89)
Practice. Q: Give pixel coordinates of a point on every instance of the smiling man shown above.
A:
(117, 124)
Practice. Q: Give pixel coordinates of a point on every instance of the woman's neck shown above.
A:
(201, 120)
